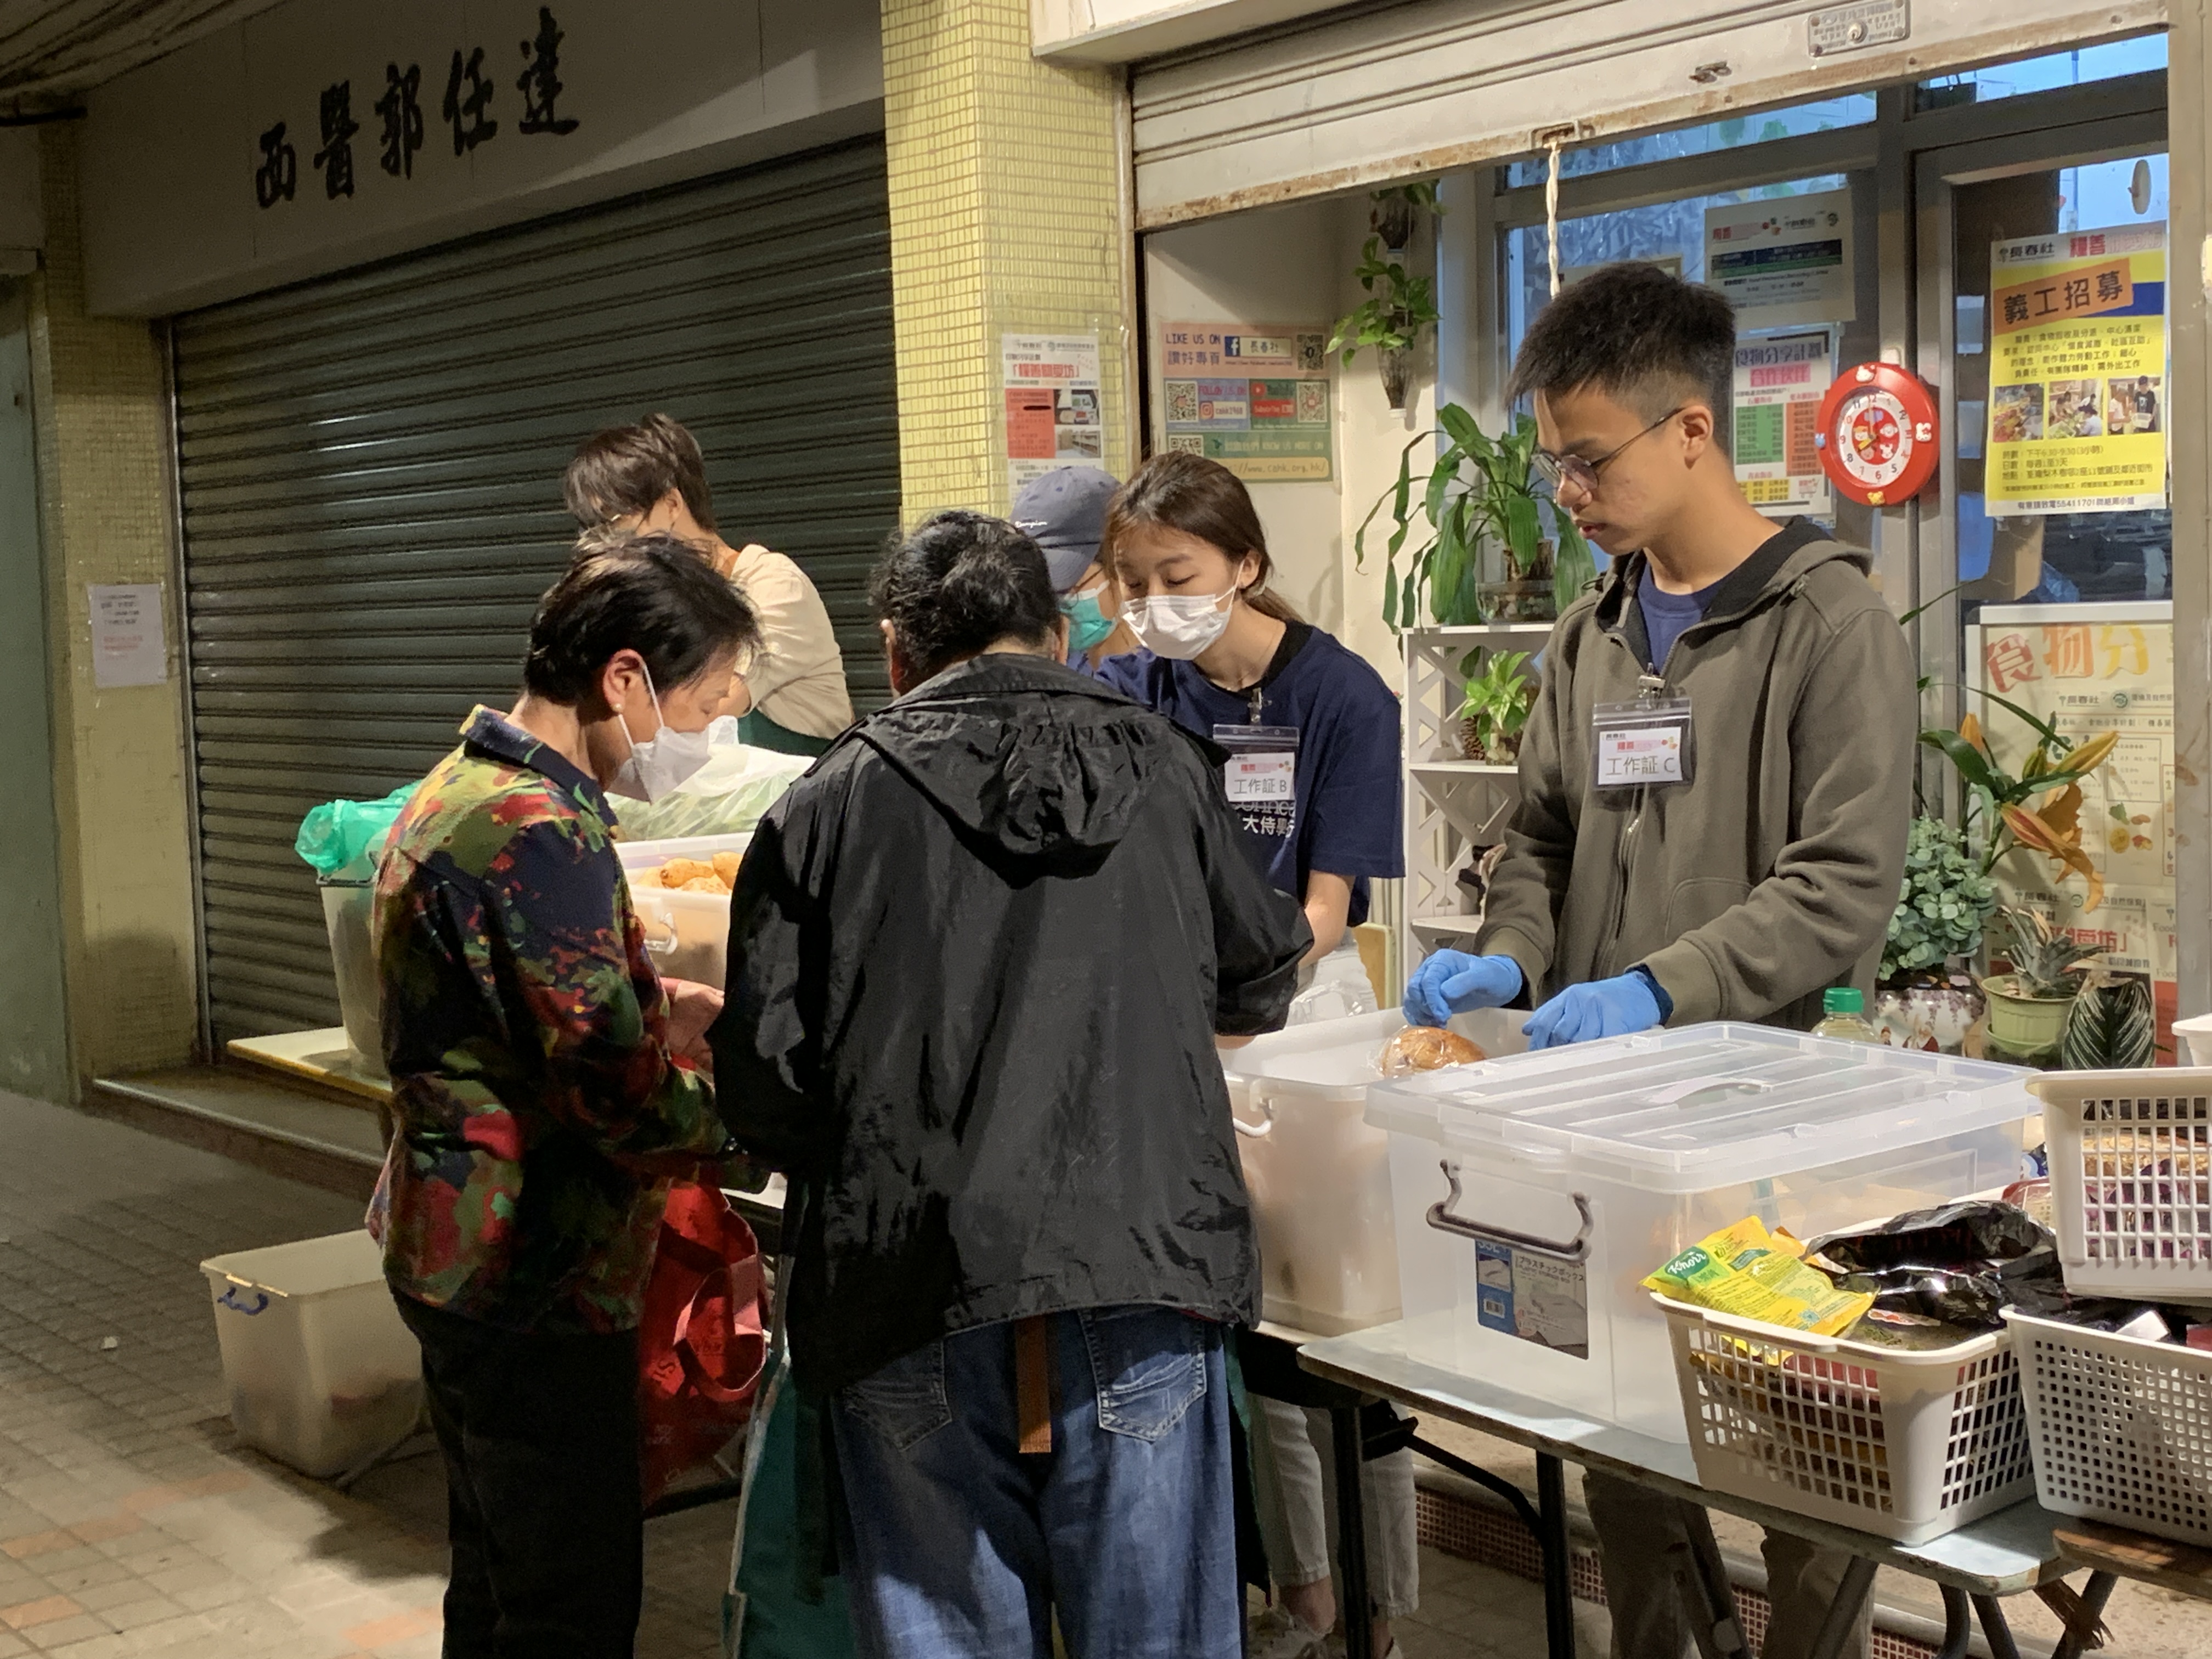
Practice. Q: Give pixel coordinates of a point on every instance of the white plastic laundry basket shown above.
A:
(2121, 1427)
(1907, 1446)
(2131, 1179)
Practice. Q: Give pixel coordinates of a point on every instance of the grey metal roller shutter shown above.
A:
(370, 472)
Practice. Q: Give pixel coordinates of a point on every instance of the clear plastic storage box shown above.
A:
(688, 934)
(322, 1373)
(1319, 1175)
(1534, 1192)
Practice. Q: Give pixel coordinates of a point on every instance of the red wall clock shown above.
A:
(1877, 435)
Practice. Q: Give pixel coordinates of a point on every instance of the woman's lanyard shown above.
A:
(1262, 773)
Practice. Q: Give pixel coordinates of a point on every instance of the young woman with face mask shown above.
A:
(538, 1112)
(1312, 776)
(1312, 729)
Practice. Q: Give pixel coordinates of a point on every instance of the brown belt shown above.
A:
(1033, 1383)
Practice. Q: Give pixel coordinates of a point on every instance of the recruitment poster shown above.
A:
(2077, 373)
(1784, 258)
(2088, 674)
(1780, 379)
(1054, 411)
(1252, 396)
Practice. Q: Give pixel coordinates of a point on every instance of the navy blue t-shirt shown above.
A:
(1346, 814)
(1666, 615)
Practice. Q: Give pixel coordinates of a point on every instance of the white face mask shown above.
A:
(659, 764)
(1176, 626)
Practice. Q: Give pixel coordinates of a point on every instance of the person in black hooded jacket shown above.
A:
(978, 955)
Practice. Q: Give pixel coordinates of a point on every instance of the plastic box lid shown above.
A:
(650, 854)
(1702, 1106)
(1336, 1057)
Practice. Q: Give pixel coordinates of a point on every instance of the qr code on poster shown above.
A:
(1190, 443)
(1313, 402)
(1182, 400)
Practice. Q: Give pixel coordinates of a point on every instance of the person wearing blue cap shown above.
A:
(1064, 512)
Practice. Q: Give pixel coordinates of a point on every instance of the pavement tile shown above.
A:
(98, 1598)
(137, 1613)
(396, 1628)
(81, 1577)
(109, 1644)
(185, 1575)
(62, 1633)
(44, 1610)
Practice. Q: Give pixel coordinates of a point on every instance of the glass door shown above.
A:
(2047, 553)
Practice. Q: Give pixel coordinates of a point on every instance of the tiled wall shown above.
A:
(1005, 217)
(119, 754)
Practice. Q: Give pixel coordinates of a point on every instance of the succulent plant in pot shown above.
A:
(2028, 1005)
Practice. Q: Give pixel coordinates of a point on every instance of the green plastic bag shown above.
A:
(343, 839)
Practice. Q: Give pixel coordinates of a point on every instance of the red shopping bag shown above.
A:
(703, 1339)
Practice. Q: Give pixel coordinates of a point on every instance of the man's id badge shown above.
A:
(1641, 744)
(1261, 776)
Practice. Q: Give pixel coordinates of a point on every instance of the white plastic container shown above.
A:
(322, 1373)
(688, 934)
(2119, 1427)
(2131, 1179)
(1534, 1192)
(2196, 1035)
(1319, 1174)
(1907, 1446)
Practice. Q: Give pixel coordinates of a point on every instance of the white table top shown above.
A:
(1999, 1555)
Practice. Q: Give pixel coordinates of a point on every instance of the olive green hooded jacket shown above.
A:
(1772, 874)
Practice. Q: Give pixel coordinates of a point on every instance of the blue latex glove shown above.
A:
(1603, 1008)
(1451, 982)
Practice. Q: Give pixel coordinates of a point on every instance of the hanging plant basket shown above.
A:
(1396, 363)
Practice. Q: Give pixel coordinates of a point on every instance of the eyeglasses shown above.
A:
(1559, 470)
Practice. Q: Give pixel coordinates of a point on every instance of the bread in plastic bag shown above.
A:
(1424, 1048)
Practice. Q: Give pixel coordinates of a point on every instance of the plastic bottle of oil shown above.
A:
(1843, 1011)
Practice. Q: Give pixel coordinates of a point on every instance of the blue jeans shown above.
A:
(955, 1544)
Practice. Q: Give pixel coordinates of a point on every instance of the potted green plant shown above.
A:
(1481, 495)
(2111, 1025)
(1400, 305)
(1998, 801)
(1496, 707)
(1941, 907)
(2027, 1006)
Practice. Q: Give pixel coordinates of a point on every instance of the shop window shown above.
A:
(1670, 232)
(2047, 555)
(1850, 110)
(2074, 68)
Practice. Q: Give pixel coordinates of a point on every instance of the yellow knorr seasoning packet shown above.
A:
(1753, 1275)
(1830, 1310)
(1733, 1245)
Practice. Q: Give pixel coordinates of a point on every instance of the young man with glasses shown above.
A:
(1715, 782)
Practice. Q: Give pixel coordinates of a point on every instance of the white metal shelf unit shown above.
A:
(1451, 803)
